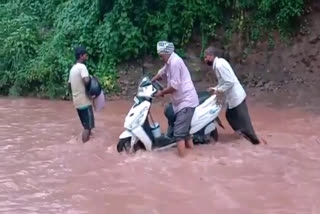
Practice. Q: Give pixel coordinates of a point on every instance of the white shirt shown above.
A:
(79, 96)
(228, 83)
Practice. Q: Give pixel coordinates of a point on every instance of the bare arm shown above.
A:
(85, 76)
(156, 77)
(86, 81)
(174, 82)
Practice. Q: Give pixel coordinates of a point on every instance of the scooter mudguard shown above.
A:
(143, 137)
(125, 134)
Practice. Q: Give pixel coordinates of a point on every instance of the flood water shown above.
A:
(45, 168)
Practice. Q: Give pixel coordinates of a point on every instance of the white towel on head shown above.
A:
(164, 47)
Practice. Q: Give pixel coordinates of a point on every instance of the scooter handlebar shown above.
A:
(158, 85)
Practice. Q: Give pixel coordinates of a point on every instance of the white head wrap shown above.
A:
(164, 47)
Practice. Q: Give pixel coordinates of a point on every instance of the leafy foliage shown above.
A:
(38, 36)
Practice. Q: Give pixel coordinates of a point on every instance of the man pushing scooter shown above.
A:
(237, 113)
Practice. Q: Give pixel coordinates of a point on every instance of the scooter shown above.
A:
(141, 132)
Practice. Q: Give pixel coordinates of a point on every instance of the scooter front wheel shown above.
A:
(124, 145)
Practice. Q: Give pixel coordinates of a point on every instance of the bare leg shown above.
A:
(86, 135)
(238, 134)
(181, 148)
(189, 143)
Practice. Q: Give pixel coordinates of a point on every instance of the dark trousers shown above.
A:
(240, 121)
(86, 117)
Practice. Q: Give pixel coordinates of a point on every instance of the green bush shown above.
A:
(38, 37)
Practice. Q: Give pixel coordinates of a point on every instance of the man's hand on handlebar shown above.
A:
(159, 94)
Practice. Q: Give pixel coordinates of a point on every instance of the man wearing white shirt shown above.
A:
(235, 96)
(79, 80)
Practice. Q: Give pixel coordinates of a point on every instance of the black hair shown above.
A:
(217, 52)
(79, 51)
(212, 51)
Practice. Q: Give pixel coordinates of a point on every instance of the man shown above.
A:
(79, 81)
(184, 97)
(235, 96)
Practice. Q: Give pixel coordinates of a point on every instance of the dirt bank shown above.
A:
(284, 75)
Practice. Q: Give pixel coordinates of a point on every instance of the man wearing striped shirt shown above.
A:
(183, 93)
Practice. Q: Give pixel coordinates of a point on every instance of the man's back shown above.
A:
(77, 72)
(225, 74)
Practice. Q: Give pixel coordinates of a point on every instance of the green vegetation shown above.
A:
(38, 36)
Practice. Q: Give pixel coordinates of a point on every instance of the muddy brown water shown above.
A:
(44, 167)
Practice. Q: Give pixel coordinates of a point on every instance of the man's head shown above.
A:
(209, 55)
(164, 50)
(81, 54)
